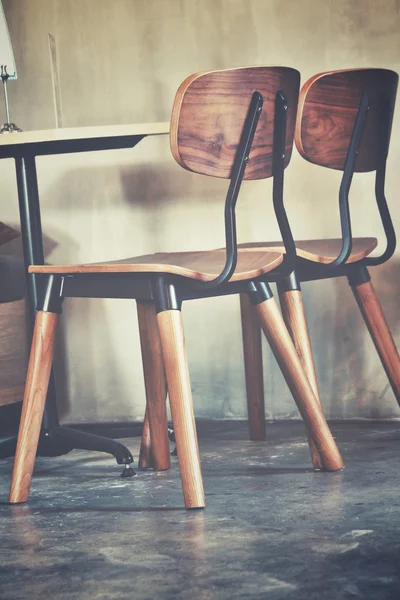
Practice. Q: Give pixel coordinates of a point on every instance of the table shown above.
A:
(24, 147)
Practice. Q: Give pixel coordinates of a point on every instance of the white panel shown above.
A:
(6, 52)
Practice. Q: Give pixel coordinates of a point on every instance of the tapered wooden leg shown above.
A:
(289, 362)
(180, 396)
(374, 318)
(40, 361)
(295, 319)
(145, 458)
(252, 350)
(154, 451)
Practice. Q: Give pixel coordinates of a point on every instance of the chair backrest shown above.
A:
(328, 107)
(208, 115)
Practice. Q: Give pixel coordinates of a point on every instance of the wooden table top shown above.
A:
(77, 139)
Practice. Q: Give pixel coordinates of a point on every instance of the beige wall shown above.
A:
(121, 61)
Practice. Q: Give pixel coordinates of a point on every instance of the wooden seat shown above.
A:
(202, 266)
(320, 251)
(236, 124)
(344, 123)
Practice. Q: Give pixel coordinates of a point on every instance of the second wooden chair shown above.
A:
(344, 123)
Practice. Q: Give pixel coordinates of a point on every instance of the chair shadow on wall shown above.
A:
(171, 188)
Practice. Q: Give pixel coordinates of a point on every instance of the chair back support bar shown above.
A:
(328, 107)
(279, 158)
(208, 115)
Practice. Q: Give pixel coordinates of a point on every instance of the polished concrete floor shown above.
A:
(272, 527)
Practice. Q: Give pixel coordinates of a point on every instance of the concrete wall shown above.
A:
(121, 61)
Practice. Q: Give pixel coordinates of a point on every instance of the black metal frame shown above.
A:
(357, 273)
(385, 119)
(279, 155)
(237, 173)
(68, 146)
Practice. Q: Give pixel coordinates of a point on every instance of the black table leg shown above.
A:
(54, 440)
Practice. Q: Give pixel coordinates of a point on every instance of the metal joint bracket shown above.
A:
(52, 297)
(358, 276)
(289, 283)
(165, 295)
(259, 291)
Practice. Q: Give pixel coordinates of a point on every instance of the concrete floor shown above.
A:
(272, 527)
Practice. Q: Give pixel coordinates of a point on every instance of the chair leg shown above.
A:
(374, 318)
(180, 396)
(154, 451)
(295, 319)
(145, 457)
(252, 351)
(289, 362)
(37, 381)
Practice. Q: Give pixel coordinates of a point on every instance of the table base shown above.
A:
(61, 440)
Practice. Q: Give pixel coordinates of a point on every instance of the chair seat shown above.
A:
(320, 251)
(203, 266)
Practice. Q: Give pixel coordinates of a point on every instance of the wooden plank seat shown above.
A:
(203, 266)
(320, 251)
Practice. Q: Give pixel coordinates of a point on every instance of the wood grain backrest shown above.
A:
(328, 106)
(208, 115)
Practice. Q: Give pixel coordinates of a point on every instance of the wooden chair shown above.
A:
(343, 122)
(235, 124)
